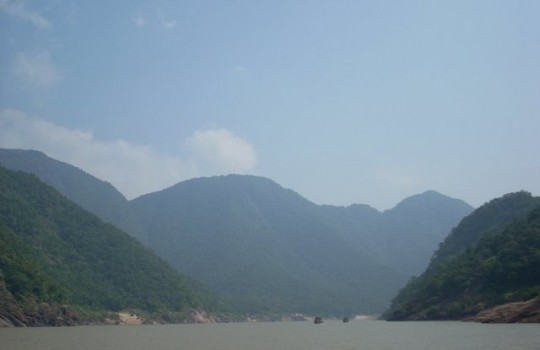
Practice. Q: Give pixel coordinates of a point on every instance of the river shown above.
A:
(355, 335)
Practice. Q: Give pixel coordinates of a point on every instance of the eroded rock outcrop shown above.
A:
(518, 312)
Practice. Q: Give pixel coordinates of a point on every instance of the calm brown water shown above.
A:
(356, 335)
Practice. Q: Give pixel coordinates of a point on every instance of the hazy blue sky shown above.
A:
(342, 101)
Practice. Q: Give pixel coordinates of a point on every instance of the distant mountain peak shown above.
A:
(428, 200)
(426, 195)
(262, 245)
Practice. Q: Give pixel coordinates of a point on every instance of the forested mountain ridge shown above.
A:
(405, 236)
(266, 247)
(491, 258)
(269, 249)
(261, 246)
(490, 218)
(58, 262)
(96, 196)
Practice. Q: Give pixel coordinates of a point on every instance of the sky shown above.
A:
(342, 101)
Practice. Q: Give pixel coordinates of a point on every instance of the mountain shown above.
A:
(264, 247)
(59, 263)
(418, 224)
(491, 218)
(405, 236)
(492, 257)
(96, 196)
(268, 249)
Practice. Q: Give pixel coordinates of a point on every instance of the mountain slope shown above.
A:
(491, 218)
(418, 224)
(52, 252)
(404, 237)
(96, 196)
(269, 249)
(492, 257)
(263, 246)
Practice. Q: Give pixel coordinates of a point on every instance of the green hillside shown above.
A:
(53, 253)
(490, 218)
(403, 237)
(96, 196)
(491, 258)
(264, 247)
(268, 249)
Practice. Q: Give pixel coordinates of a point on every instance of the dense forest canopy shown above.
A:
(94, 195)
(268, 249)
(496, 260)
(53, 251)
(263, 247)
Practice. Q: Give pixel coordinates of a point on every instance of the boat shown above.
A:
(345, 319)
(318, 320)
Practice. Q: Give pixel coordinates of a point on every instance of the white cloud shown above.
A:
(37, 69)
(168, 24)
(219, 151)
(165, 22)
(161, 22)
(132, 169)
(17, 9)
(139, 20)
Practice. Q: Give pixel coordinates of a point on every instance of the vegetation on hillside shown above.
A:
(52, 251)
(92, 194)
(496, 260)
(264, 247)
(489, 219)
(403, 237)
(269, 250)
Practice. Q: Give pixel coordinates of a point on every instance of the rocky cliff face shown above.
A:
(519, 312)
(33, 314)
